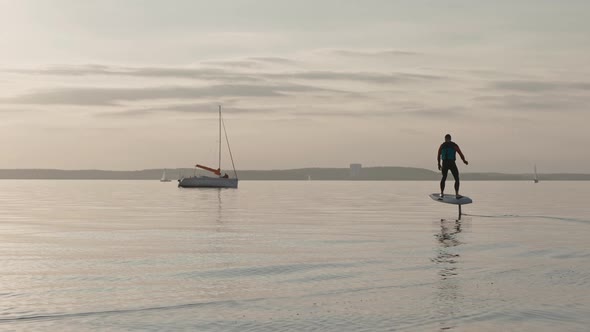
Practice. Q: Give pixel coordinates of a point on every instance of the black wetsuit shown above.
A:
(448, 153)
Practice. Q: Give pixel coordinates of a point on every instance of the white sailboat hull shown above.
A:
(207, 182)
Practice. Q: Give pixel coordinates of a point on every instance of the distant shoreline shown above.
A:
(300, 174)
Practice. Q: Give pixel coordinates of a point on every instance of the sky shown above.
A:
(128, 85)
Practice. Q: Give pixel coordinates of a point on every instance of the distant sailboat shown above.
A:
(220, 181)
(536, 178)
(164, 178)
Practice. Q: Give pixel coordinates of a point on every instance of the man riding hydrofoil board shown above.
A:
(448, 153)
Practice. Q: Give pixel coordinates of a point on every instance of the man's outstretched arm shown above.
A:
(461, 155)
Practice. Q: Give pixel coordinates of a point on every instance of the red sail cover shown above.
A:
(212, 170)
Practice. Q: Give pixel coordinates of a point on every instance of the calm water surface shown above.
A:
(293, 256)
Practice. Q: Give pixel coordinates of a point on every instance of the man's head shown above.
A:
(447, 137)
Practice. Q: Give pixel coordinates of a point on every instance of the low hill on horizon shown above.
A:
(385, 173)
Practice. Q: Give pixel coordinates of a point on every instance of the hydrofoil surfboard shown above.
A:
(451, 199)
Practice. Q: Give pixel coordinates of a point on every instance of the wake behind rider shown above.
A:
(447, 152)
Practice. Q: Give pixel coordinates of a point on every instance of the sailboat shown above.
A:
(217, 181)
(164, 178)
(536, 178)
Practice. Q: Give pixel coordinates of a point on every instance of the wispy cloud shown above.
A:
(535, 103)
(115, 96)
(367, 77)
(226, 75)
(274, 59)
(232, 63)
(540, 86)
(251, 62)
(204, 108)
(437, 113)
(369, 53)
(145, 72)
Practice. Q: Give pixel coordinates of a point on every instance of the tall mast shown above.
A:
(219, 137)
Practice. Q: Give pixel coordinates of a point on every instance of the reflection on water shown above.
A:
(291, 256)
(448, 294)
(219, 210)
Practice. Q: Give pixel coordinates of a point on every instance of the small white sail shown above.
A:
(536, 178)
(164, 179)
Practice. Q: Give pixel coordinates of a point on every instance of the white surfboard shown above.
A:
(451, 199)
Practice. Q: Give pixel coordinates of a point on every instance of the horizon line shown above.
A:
(271, 170)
